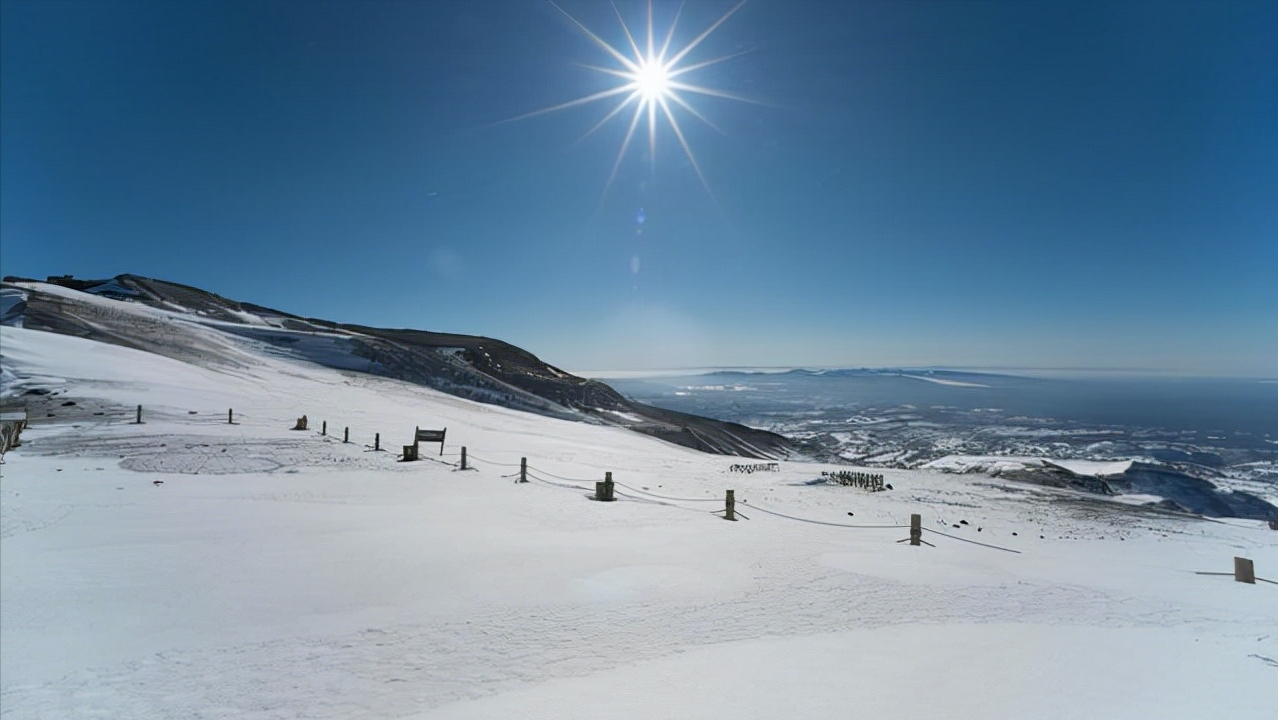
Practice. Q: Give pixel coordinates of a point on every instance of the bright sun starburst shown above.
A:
(650, 84)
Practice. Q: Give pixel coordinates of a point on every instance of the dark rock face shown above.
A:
(477, 368)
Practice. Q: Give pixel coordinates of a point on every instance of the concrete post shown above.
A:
(1244, 570)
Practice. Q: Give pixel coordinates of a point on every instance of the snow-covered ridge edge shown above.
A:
(1125, 481)
(203, 328)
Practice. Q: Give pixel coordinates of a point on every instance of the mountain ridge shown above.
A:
(470, 366)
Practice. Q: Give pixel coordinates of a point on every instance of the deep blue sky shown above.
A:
(955, 183)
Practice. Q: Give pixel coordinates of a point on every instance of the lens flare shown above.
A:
(652, 81)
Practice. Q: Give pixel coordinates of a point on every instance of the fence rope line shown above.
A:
(956, 537)
(1229, 574)
(655, 502)
(473, 456)
(562, 485)
(591, 490)
(657, 499)
(637, 499)
(561, 477)
(824, 522)
(531, 471)
(667, 497)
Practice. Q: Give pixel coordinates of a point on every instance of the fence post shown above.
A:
(463, 463)
(377, 441)
(603, 488)
(324, 428)
(523, 469)
(230, 416)
(346, 435)
(139, 420)
(916, 529)
(1244, 570)
(730, 506)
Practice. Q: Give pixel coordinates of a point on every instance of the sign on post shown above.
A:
(421, 436)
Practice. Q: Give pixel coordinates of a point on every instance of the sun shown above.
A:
(652, 80)
(652, 84)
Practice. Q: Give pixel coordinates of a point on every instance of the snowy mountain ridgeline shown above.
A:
(200, 327)
(1201, 446)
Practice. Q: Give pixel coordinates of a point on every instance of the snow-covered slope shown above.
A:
(200, 327)
(188, 567)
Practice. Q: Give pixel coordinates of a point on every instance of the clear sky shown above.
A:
(958, 183)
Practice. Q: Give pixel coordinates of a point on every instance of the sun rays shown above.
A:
(651, 81)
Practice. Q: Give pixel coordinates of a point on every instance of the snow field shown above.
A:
(278, 574)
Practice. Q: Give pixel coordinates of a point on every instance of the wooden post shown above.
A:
(463, 463)
(1244, 570)
(139, 420)
(916, 529)
(730, 506)
(377, 441)
(230, 416)
(346, 435)
(324, 428)
(523, 469)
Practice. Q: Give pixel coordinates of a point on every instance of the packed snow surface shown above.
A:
(190, 567)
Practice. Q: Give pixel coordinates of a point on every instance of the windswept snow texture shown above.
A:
(189, 567)
(197, 326)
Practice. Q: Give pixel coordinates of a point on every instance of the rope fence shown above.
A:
(473, 456)
(974, 542)
(557, 484)
(603, 490)
(822, 522)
